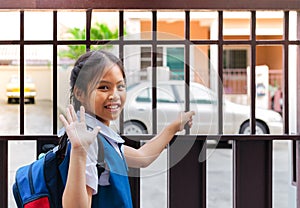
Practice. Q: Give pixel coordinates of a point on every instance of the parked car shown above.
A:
(170, 100)
(13, 89)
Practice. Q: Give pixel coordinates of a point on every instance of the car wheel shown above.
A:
(260, 128)
(133, 127)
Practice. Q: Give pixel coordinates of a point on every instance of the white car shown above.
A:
(170, 101)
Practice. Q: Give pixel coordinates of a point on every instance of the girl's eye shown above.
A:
(102, 87)
(122, 87)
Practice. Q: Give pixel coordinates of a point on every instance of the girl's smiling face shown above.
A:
(107, 99)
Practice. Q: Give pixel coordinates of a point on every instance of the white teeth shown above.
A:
(112, 106)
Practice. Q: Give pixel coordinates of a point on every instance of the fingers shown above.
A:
(96, 130)
(191, 114)
(63, 120)
(82, 114)
(190, 123)
(71, 115)
(189, 118)
(68, 115)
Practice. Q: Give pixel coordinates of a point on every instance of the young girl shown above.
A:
(98, 90)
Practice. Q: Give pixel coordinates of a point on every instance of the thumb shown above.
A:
(191, 113)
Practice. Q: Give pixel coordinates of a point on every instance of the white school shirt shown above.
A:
(91, 170)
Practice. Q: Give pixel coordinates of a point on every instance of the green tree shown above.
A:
(99, 31)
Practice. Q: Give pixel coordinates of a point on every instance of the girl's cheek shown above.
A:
(93, 101)
(124, 95)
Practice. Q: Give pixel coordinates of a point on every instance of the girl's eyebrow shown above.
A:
(108, 82)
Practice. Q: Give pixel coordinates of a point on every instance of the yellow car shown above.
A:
(13, 90)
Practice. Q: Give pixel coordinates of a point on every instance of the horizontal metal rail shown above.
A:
(137, 138)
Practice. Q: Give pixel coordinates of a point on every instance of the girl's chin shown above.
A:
(114, 116)
(108, 117)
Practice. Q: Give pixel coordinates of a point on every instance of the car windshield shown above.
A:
(198, 94)
(164, 95)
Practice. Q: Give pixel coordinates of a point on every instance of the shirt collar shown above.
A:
(105, 130)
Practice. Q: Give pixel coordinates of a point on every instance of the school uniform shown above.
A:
(112, 189)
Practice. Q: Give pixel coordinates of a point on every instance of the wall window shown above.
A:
(172, 57)
(175, 61)
(235, 59)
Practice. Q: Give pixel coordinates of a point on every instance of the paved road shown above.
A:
(38, 118)
(219, 170)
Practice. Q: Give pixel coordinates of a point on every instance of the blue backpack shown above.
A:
(41, 183)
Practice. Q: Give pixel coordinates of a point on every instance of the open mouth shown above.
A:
(113, 107)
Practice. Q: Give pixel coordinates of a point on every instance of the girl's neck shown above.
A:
(99, 118)
(104, 122)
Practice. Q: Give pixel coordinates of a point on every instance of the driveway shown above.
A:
(38, 118)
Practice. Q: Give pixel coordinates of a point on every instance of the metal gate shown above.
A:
(250, 152)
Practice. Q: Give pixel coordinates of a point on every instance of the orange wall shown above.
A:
(269, 55)
(175, 30)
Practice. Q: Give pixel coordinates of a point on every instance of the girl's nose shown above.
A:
(113, 96)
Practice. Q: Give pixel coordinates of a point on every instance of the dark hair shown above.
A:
(88, 68)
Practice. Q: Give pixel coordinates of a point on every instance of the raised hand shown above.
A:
(77, 131)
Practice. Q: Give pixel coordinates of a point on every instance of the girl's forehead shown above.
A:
(112, 71)
(111, 74)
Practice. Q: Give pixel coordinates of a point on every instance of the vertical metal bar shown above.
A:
(22, 69)
(121, 56)
(187, 176)
(220, 73)
(187, 65)
(40, 143)
(286, 73)
(121, 27)
(88, 29)
(54, 81)
(154, 72)
(253, 72)
(134, 179)
(135, 182)
(252, 174)
(297, 162)
(294, 162)
(297, 147)
(4, 174)
(190, 192)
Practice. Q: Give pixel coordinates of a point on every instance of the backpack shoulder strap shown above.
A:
(62, 146)
(101, 164)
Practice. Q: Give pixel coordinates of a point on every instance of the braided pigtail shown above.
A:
(73, 78)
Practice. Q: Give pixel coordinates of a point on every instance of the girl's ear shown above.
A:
(79, 94)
